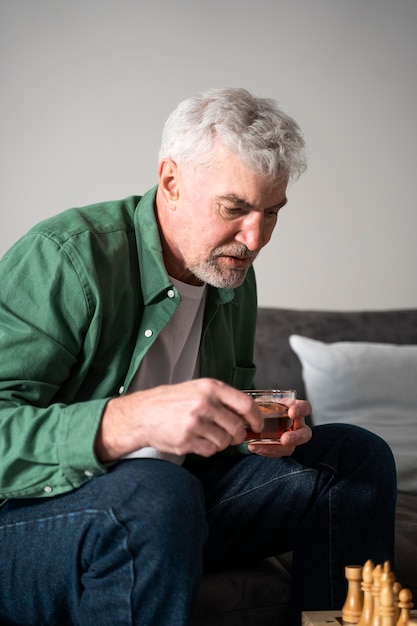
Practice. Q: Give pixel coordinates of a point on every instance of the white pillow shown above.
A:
(367, 384)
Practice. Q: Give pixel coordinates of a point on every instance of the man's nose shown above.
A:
(252, 233)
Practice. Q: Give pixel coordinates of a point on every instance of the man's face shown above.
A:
(214, 220)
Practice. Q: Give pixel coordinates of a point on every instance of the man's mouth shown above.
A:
(237, 262)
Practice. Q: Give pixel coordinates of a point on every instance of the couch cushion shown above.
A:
(406, 542)
(255, 595)
(277, 364)
(370, 385)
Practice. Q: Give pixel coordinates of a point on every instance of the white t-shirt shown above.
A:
(174, 356)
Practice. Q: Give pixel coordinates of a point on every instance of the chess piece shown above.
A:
(352, 608)
(387, 574)
(386, 600)
(376, 590)
(368, 601)
(405, 603)
(396, 588)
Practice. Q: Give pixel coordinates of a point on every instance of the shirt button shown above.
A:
(121, 390)
(148, 332)
(47, 489)
(171, 293)
(88, 474)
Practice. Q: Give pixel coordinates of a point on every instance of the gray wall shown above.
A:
(86, 86)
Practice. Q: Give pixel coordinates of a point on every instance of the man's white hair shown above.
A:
(266, 140)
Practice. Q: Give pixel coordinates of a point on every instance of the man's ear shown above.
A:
(169, 182)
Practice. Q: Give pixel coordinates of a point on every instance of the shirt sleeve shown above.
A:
(46, 441)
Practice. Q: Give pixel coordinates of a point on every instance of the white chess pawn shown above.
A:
(405, 603)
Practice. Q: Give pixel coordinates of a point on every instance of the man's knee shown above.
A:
(161, 492)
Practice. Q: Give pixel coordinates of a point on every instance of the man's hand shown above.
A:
(201, 416)
(301, 433)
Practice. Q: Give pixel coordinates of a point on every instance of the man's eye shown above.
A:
(272, 213)
(233, 211)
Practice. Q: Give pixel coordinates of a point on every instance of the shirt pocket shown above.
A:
(242, 377)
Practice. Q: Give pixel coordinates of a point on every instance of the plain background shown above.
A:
(86, 86)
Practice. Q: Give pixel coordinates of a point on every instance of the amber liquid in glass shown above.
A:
(276, 422)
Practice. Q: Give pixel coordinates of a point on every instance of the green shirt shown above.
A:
(83, 296)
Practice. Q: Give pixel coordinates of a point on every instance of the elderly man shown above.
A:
(126, 337)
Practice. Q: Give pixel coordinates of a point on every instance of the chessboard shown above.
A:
(334, 618)
(374, 598)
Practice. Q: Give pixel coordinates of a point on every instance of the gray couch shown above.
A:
(259, 595)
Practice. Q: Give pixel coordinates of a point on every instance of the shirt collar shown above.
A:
(155, 280)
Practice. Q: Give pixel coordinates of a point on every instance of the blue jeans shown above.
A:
(129, 547)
